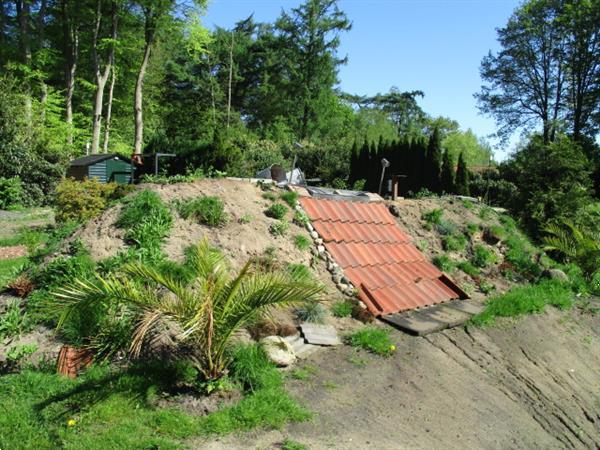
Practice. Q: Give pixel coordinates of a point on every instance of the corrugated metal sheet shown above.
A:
(390, 273)
(98, 170)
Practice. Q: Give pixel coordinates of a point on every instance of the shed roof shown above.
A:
(390, 273)
(93, 159)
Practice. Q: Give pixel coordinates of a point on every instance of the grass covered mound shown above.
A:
(529, 299)
(109, 408)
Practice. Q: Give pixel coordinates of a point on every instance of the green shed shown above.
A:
(105, 167)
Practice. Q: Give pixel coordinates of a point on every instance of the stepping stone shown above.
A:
(414, 324)
(466, 306)
(441, 313)
(319, 334)
(301, 348)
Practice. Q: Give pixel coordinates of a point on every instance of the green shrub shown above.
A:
(279, 228)
(14, 321)
(443, 263)
(472, 229)
(521, 254)
(11, 192)
(433, 217)
(446, 228)
(376, 340)
(246, 218)
(190, 176)
(595, 283)
(299, 271)
(251, 367)
(289, 444)
(486, 212)
(276, 211)
(341, 308)
(290, 197)
(301, 219)
(64, 269)
(206, 210)
(483, 257)
(468, 268)
(269, 196)
(454, 243)
(311, 312)
(486, 287)
(526, 300)
(83, 200)
(301, 242)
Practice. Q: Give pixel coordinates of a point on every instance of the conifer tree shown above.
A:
(462, 177)
(363, 162)
(433, 162)
(354, 167)
(447, 176)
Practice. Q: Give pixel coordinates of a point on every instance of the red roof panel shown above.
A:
(391, 274)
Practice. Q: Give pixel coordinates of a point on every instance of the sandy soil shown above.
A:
(523, 384)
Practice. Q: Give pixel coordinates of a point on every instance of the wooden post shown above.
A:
(394, 187)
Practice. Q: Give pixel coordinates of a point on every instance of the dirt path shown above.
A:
(531, 383)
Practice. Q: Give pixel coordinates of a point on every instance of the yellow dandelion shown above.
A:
(392, 347)
(71, 422)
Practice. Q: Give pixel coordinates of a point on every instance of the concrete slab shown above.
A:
(319, 334)
(414, 324)
(300, 347)
(453, 317)
(466, 306)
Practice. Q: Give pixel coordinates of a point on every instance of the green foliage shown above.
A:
(433, 217)
(189, 177)
(246, 218)
(64, 269)
(251, 367)
(376, 340)
(447, 174)
(433, 162)
(279, 228)
(10, 268)
(83, 200)
(341, 308)
(276, 211)
(11, 192)
(301, 242)
(312, 312)
(206, 210)
(18, 352)
(269, 196)
(290, 197)
(454, 243)
(521, 254)
(461, 182)
(468, 268)
(576, 244)
(289, 444)
(443, 263)
(486, 287)
(530, 299)
(208, 308)
(14, 321)
(301, 219)
(483, 257)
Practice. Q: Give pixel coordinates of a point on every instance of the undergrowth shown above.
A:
(276, 211)
(206, 210)
(376, 340)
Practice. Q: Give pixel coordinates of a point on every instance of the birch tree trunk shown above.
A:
(70, 52)
(109, 109)
(101, 75)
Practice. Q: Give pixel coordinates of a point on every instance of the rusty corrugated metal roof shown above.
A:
(391, 274)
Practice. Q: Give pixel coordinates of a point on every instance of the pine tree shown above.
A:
(433, 162)
(447, 176)
(462, 177)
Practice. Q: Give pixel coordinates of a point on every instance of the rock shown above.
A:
(394, 210)
(309, 227)
(337, 278)
(278, 350)
(319, 241)
(345, 280)
(491, 237)
(555, 274)
(314, 234)
(321, 250)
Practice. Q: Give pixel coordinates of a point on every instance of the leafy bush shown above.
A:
(443, 263)
(301, 219)
(290, 197)
(311, 312)
(189, 177)
(376, 340)
(433, 217)
(14, 321)
(251, 367)
(521, 255)
(341, 308)
(468, 268)
(279, 228)
(84, 200)
(207, 210)
(526, 300)
(64, 269)
(301, 242)
(580, 245)
(276, 211)
(454, 243)
(11, 192)
(483, 257)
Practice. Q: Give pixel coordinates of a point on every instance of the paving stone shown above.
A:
(300, 347)
(414, 324)
(466, 306)
(319, 334)
(453, 317)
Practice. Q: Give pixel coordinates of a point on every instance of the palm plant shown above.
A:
(196, 318)
(577, 244)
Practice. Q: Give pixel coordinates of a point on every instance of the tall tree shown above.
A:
(70, 35)
(462, 177)
(101, 74)
(447, 175)
(433, 161)
(310, 35)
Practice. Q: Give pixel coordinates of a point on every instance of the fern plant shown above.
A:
(195, 318)
(575, 244)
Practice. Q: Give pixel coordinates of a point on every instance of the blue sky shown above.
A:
(431, 45)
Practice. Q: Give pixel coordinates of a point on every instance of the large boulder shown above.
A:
(278, 350)
(555, 274)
